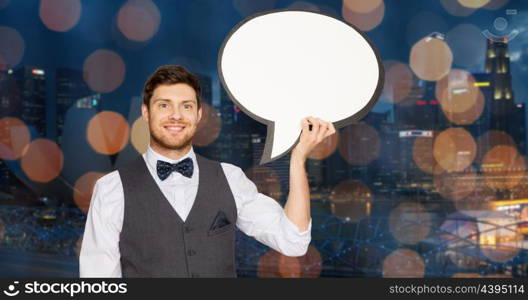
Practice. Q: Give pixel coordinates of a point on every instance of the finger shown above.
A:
(312, 122)
(323, 132)
(316, 128)
(331, 129)
(305, 125)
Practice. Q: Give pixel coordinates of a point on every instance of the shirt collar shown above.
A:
(152, 158)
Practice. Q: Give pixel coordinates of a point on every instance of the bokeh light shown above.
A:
(311, 263)
(140, 135)
(83, 189)
(460, 235)
(359, 144)
(138, 20)
(351, 200)
(409, 223)
(468, 45)
(398, 81)
(423, 156)
(490, 139)
(500, 240)
(12, 47)
(60, 15)
(249, 7)
(422, 24)
(289, 267)
(457, 92)
(362, 6)
(456, 9)
(272, 264)
(14, 137)
(209, 127)
(456, 185)
(364, 21)
(431, 59)
(104, 71)
(108, 132)
(454, 149)
(478, 200)
(403, 263)
(326, 148)
(503, 167)
(42, 160)
(473, 3)
(467, 117)
(266, 180)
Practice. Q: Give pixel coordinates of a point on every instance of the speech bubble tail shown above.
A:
(281, 137)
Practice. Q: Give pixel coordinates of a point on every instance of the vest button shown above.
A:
(191, 252)
(188, 229)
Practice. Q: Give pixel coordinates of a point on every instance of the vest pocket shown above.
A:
(220, 230)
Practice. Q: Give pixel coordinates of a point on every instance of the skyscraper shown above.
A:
(504, 114)
(70, 87)
(31, 82)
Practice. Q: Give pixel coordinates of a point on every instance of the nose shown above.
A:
(175, 114)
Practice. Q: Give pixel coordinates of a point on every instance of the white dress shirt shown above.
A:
(258, 216)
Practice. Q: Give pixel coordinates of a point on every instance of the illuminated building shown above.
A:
(504, 113)
(71, 91)
(31, 82)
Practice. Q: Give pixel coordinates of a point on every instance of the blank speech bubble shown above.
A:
(282, 66)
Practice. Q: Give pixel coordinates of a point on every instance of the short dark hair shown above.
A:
(171, 74)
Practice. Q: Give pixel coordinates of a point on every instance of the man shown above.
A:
(172, 213)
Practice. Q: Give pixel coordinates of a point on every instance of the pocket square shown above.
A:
(220, 221)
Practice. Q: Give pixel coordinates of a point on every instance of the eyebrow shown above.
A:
(168, 100)
(191, 101)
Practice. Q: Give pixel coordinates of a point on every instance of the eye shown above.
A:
(163, 105)
(187, 106)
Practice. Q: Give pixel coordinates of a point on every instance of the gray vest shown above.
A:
(154, 240)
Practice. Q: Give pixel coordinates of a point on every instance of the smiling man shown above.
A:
(172, 212)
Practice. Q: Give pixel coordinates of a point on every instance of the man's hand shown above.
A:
(314, 131)
(297, 208)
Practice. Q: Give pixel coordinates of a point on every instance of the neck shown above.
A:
(174, 154)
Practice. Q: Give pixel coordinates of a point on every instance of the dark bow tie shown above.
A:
(184, 167)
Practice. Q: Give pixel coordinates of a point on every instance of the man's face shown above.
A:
(172, 116)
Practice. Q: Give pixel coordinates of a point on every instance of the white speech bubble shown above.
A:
(282, 66)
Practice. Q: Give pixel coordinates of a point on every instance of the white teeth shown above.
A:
(174, 128)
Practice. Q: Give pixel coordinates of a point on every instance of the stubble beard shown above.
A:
(162, 142)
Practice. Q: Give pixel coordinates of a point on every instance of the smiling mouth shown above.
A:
(174, 129)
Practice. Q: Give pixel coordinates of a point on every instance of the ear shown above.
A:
(199, 114)
(144, 112)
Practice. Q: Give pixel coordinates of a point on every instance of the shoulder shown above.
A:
(108, 191)
(109, 181)
(240, 184)
(231, 170)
